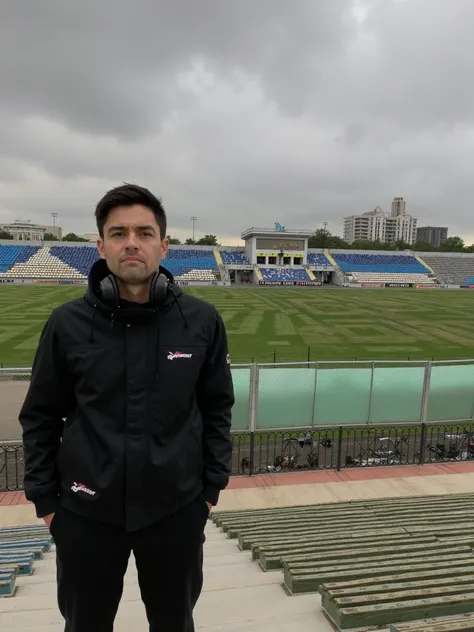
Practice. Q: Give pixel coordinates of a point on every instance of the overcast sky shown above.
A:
(242, 112)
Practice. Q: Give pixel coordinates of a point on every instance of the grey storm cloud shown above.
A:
(241, 113)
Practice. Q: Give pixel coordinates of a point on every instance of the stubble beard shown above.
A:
(134, 276)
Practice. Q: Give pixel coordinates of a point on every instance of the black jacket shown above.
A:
(146, 395)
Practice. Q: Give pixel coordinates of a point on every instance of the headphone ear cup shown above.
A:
(109, 291)
(159, 288)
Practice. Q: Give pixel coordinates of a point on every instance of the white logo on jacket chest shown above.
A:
(80, 487)
(174, 355)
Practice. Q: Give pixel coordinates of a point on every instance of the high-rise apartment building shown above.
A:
(398, 207)
(434, 235)
(377, 225)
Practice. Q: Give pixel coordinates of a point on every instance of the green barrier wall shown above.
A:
(294, 397)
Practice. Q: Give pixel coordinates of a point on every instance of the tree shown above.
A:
(190, 242)
(423, 246)
(319, 239)
(366, 244)
(402, 245)
(5, 235)
(207, 240)
(173, 240)
(50, 237)
(322, 238)
(73, 237)
(452, 244)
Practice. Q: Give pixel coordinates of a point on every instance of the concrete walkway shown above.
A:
(237, 597)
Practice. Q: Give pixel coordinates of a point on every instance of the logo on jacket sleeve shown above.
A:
(174, 355)
(80, 487)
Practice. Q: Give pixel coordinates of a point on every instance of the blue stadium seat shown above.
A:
(81, 258)
(318, 259)
(232, 256)
(9, 255)
(391, 264)
(284, 274)
(179, 261)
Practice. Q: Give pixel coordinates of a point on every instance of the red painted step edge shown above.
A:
(305, 478)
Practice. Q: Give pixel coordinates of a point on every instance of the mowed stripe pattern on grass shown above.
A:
(267, 324)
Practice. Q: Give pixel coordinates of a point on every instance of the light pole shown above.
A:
(194, 219)
(54, 215)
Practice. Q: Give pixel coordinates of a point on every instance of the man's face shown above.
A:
(132, 244)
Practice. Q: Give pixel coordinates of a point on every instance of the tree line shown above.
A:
(207, 240)
(322, 238)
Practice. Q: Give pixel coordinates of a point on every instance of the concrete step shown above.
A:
(412, 501)
(304, 622)
(222, 607)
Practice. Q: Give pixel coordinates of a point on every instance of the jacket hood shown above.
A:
(100, 271)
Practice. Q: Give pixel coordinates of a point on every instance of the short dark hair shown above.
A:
(128, 195)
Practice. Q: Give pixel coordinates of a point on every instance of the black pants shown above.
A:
(92, 559)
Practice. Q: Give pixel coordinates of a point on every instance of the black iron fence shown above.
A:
(322, 449)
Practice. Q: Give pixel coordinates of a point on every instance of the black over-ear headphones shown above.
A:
(159, 288)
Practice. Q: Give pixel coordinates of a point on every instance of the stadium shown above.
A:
(353, 375)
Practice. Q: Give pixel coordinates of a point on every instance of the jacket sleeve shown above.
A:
(215, 400)
(41, 419)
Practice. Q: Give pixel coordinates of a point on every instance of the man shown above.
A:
(140, 373)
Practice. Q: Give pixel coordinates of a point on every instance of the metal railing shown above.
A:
(331, 393)
(338, 448)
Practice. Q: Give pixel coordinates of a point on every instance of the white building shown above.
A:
(56, 231)
(24, 230)
(378, 225)
(369, 226)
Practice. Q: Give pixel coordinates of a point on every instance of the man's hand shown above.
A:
(48, 519)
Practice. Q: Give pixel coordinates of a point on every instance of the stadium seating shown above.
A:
(380, 263)
(456, 270)
(201, 263)
(378, 268)
(284, 274)
(74, 262)
(390, 277)
(80, 258)
(318, 259)
(230, 257)
(42, 265)
(12, 254)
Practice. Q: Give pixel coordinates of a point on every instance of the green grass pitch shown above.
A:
(265, 324)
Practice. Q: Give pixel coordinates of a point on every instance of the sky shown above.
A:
(241, 113)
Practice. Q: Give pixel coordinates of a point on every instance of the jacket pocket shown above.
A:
(75, 465)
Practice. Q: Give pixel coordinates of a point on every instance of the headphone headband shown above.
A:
(159, 288)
